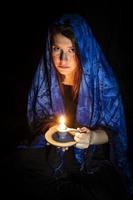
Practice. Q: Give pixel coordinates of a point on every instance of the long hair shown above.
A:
(66, 30)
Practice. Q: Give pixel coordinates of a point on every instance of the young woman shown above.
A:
(74, 79)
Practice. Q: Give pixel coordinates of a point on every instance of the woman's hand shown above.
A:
(83, 138)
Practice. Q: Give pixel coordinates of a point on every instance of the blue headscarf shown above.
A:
(99, 100)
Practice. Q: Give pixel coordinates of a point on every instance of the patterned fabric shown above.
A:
(99, 101)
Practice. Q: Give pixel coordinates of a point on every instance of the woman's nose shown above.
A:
(63, 56)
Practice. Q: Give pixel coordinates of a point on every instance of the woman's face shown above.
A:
(63, 54)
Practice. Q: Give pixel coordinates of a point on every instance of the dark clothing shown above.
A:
(45, 173)
(28, 175)
(70, 106)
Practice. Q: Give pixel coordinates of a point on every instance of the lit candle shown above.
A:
(62, 126)
(62, 129)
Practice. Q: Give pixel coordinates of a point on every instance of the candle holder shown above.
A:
(66, 133)
(62, 133)
(61, 137)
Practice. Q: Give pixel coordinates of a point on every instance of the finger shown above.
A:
(76, 138)
(79, 146)
(77, 134)
(64, 148)
(83, 129)
(80, 135)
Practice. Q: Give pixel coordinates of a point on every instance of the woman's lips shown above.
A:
(63, 67)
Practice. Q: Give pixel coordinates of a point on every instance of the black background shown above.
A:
(23, 29)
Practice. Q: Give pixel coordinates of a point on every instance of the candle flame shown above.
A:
(62, 125)
(62, 120)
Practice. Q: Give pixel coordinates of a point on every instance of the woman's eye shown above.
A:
(72, 50)
(55, 49)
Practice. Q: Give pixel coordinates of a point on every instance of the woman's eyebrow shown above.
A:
(55, 44)
(58, 45)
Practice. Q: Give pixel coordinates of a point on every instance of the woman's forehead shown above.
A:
(59, 39)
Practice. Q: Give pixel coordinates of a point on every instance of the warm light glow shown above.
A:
(62, 125)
